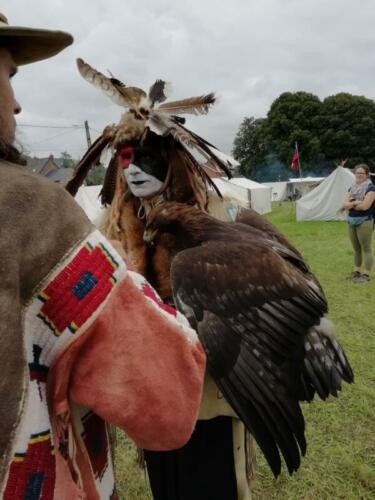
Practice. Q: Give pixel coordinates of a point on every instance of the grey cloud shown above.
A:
(248, 51)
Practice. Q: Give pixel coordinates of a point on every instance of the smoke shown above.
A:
(273, 170)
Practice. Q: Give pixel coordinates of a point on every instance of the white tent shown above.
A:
(88, 198)
(279, 190)
(325, 201)
(249, 194)
(302, 185)
(246, 193)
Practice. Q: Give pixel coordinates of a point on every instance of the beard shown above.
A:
(9, 152)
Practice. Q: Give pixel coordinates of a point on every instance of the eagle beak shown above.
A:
(149, 236)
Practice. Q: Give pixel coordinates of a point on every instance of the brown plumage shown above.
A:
(259, 313)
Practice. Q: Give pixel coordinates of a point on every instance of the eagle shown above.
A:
(260, 315)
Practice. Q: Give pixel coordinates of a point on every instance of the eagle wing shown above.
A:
(252, 307)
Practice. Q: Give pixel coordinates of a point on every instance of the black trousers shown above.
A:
(202, 470)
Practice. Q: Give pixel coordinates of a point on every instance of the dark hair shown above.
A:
(8, 152)
(11, 153)
(364, 167)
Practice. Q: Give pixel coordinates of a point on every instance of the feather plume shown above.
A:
(127, 97)
(84, 165)
(197, 168)
(109, 184)
(158, 92)
(194, 105)
(194, 141)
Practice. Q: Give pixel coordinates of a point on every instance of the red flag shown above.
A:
(294, 164)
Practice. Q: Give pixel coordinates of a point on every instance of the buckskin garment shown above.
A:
(84, 341)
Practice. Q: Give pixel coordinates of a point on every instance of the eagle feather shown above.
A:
(194, 105)
(127, 97)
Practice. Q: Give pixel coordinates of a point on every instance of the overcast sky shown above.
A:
(248, 51)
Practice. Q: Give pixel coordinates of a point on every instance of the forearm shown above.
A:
(360, 206)
(347, 205)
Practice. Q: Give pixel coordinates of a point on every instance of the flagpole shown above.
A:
(299, 164)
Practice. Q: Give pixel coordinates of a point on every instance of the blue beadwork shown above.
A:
(84, 285)
(34, 486)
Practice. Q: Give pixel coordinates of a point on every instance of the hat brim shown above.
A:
(28, 45)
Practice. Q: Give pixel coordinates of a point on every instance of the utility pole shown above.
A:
(88, 136)
(299, 163)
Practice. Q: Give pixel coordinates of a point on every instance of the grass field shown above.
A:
(340, 461)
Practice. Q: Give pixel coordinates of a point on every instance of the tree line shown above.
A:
(327, 131)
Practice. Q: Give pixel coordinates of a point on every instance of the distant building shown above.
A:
(50, 167)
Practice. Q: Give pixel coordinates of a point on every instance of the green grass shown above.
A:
(340, 460)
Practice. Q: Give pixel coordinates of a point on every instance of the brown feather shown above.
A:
(112, 87)
(84, 165)
(157, 92)
(194, 105)
(194, 165)
(194, 141)
(109, 184)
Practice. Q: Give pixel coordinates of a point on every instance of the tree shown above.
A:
(348, 129)
(68, 161)
(295, 117)
(340, 127)
(249, 145)
(96, 175)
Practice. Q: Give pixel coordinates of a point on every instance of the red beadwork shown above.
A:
(78, 290)
(32, 476)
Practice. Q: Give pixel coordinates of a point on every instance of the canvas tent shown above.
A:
(300, 186)
(246, 193)
(237, 192)
(279, 190)
(325, 201)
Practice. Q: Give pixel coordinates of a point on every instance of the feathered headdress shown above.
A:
(149, 112)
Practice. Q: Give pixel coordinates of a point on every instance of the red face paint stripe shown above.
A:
(126, 155)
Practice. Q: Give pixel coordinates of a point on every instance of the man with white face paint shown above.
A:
(145, 169)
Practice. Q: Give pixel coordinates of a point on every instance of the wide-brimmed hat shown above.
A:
(28, 45)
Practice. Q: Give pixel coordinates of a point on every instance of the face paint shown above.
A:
(141, 184)
(126, 155)
(144, 170)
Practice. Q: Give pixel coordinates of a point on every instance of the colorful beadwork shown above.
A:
(32, 474)
(76, 288)
(79, 289)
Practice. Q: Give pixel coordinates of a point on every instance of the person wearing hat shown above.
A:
(80, 333)
(19, 46)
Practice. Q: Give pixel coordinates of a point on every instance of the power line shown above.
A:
(49, 126)
(51, 137)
